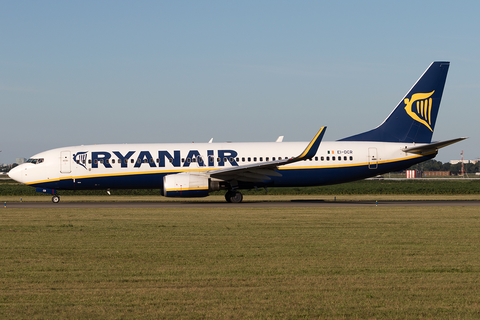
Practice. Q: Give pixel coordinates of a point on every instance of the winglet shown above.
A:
(312, 147)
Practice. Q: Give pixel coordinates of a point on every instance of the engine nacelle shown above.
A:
(188, 185)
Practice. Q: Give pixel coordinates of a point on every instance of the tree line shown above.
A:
(434, 165)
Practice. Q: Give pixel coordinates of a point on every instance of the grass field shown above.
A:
(244, 263)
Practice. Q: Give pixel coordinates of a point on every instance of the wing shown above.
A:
(431, 147)
(258, 172)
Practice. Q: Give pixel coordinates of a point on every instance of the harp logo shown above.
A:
(80, 158)
(419, 107)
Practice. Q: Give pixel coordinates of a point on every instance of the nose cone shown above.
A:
(16, 173)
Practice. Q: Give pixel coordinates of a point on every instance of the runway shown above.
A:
(252, 204)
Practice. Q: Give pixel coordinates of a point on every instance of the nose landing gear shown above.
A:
(55, 198)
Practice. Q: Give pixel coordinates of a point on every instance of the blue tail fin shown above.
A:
(413, 120)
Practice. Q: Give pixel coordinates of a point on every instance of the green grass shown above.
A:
(243, 263)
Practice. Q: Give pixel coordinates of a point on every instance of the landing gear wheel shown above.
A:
(56, 199)
(233, 197)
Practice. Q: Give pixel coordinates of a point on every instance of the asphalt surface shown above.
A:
(252, 204)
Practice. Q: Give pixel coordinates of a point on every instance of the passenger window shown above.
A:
(231, 159)
(249, 159)
(351, 158)
(316, 158)
(333, 158)
(188, 160)
(171, 160)
(113, 160)
(345, 158)
(243, 159)
(328, 158)
(238, 159)
(266, 159)
(132, 161)
(322, 158)
(89, 160)
(254, 159)
(194, 159)
(261, 158)
(273, 158)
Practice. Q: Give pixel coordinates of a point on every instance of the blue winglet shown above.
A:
(312, 147)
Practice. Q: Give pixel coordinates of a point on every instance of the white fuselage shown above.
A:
(144, 165)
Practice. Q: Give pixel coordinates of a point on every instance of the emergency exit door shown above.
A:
(65, 162)
(372, 158)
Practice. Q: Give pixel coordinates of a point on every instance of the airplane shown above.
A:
(403, 139)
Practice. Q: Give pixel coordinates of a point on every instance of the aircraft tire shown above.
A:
(56, 199)
(233, 197)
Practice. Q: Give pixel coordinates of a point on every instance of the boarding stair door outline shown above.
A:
(372, 158)
(65, 162)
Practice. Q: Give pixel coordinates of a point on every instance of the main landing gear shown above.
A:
(233, 196)
(56, 198)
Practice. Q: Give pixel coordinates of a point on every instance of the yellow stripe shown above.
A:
(118, 175)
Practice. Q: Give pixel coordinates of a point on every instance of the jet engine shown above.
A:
(188, 185)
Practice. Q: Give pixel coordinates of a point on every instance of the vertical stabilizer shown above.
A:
(413, 120)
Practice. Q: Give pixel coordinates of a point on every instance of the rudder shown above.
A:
(413, 120)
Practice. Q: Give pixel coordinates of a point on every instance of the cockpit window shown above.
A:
(35, 160)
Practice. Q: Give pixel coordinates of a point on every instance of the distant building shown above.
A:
(436, 173)
(464, 161)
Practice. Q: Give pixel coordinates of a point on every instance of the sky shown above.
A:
(92, 72)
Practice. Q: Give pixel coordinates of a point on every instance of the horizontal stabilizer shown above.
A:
(426, 148)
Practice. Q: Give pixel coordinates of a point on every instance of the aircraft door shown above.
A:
(372, 158)
(65, 162)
